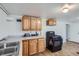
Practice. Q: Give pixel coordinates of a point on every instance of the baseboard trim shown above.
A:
(74, 42)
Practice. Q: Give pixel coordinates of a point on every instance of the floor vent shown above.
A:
(77, 52)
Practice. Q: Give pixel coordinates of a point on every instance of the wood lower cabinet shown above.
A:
(41, 45)
(25, 47)
(32, 46)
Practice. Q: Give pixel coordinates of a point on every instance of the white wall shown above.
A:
(3, 27)
(13, 27)
(74, 32)
(60, 28)
(2, 20)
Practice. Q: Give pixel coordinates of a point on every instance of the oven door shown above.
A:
(57, 43)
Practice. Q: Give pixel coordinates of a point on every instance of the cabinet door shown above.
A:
(32, 46)
(51, 22)
(41, 45)
(25, 23)
(38, 24)
(33, 23)
(25, 47)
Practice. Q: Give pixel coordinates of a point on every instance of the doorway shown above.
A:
(67, 32)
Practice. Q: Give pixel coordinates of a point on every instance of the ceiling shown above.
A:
(46, 10)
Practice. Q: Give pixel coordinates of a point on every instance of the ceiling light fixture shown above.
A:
(65, 8)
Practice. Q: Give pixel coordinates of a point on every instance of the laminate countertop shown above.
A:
(17, 38)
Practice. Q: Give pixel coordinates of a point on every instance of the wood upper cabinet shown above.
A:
(26, 23)
(33, 23)
(25, 47)
(32, 46)
(38, 24)
(51, 22)
(41, 45)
